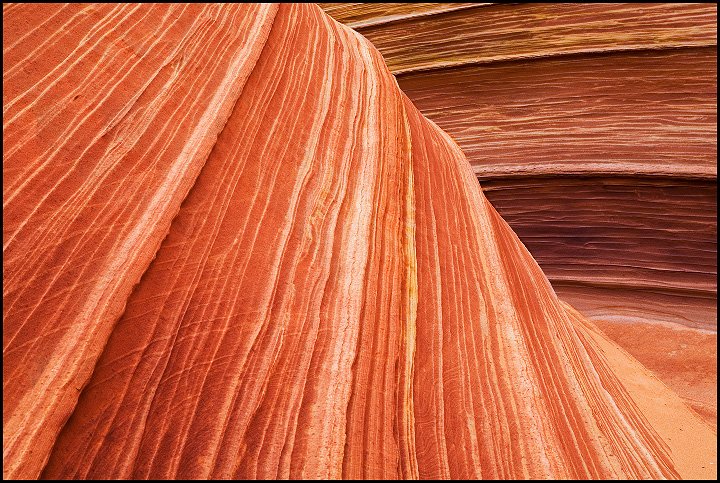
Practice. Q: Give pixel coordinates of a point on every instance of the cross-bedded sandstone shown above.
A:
(247, 255)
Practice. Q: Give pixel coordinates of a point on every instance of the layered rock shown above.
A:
(593, 132)
(233, 248)
(574, 113)
(109, 113)
(417, 37)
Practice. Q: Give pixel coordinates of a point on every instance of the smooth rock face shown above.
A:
(234, 249)
(684, 359)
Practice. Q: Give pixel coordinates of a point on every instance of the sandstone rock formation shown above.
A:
(233, 248)
(593, 131)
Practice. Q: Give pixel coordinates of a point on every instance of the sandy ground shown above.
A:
(684, 359)
(692, 440)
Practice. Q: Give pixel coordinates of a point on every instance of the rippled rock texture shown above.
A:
(593, 131)
(234, 249)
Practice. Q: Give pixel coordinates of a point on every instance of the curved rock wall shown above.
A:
(106, 124)
(593, 131)
(234, 249)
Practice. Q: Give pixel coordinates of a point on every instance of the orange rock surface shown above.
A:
(234, 249)
(593, 132)
(592, 129)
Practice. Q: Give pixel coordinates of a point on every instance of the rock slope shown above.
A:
(234, 249)
(593, 131)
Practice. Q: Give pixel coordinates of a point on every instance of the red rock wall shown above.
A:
(109, 113)
(593, 131)
(417, 37)
(233, 248)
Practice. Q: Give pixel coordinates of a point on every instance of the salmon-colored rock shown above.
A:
(592, 129)
(234, 249)
(593, 132)
(109, 113)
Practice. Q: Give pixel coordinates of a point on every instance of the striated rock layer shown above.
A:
(593, 132)
(592, 129)
(234, 249)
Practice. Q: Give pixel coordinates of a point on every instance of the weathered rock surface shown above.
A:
(621, 248)
(417, 37)
(592, 128)
(593, 132)
(109, 113)
(233, 248)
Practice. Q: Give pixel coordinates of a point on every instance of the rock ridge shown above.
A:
(332, 296)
